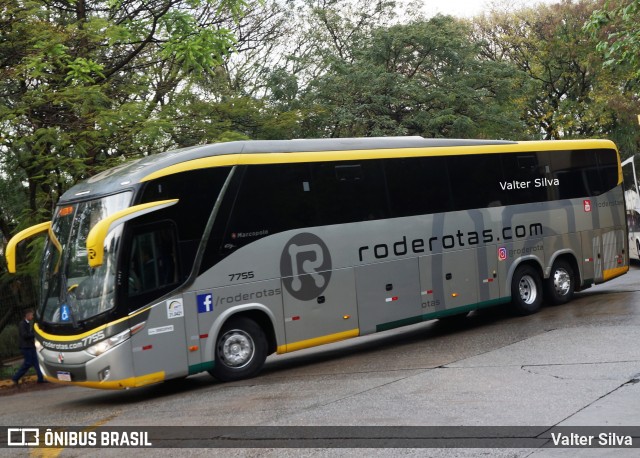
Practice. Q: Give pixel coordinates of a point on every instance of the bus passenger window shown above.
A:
(577, 173)
(153, 261)
(477, 181)
(271, 199)
(418, 185)
(349, 172)
(608, 167)
(348, 192)
(524, 175)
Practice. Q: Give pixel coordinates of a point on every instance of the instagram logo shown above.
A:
(502, 253)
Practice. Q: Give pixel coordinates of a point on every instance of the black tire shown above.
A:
(560, 285)
(240, 351)
(526, 290)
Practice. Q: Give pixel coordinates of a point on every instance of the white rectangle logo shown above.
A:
(64, 376)
(23, 437)
(161, 330)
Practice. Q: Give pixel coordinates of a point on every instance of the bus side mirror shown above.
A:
(19, 237)
(99, 232)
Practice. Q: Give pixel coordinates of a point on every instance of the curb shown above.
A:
(29, 379)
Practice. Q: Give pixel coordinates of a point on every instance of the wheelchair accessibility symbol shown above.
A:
(65, 313)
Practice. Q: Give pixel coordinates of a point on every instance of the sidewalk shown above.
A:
(27, 385)
(26, 380)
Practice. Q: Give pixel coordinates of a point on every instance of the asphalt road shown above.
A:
(571, 365)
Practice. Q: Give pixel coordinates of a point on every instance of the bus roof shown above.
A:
(282, 151)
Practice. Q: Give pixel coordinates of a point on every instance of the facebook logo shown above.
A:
(205, 303)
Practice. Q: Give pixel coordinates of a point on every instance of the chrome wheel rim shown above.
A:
(562, 282)
(528, 289)
(236, 348)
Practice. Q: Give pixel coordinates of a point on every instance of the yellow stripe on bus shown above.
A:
(318, 341)
(58, 338)
(613, 273)
(99, 232)
(348, 155)
(131, 382)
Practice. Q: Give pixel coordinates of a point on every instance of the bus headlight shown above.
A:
(108, 344)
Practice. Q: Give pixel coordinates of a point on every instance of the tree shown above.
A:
(234, 101)
(84, 83)
(616, 26)
(569, 92)
(421, 78)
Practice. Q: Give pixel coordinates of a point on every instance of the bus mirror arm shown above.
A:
(19, 237)
(99, 232)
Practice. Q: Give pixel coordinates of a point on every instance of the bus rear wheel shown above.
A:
(240, 352)
(560, 285)
(526, 290)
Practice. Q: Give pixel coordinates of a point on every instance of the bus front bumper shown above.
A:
(112, 370)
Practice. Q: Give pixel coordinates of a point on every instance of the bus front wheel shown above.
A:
(526, 290)
(241, 349)
(560, 284)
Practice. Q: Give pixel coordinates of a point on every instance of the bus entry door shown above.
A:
(160, 347)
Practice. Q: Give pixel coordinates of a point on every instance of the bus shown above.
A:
(632, 202)
(211, 258)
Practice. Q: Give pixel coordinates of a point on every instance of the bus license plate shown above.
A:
(64, 376)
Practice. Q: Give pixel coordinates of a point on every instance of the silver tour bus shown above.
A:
(213, 257)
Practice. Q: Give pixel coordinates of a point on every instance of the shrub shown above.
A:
(9, 342)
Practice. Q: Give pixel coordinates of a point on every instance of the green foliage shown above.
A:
(421, 78)
(196, 48)
(616, 26)
(569, 91)
(83, 83)
(9, 342)
(83, 71)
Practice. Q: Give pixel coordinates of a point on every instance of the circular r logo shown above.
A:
(305, 266)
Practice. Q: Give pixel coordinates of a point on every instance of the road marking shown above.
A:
(54, 452)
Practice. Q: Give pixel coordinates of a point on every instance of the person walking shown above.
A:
(26, 341)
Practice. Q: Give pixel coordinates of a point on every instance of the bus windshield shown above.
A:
(71, 291)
